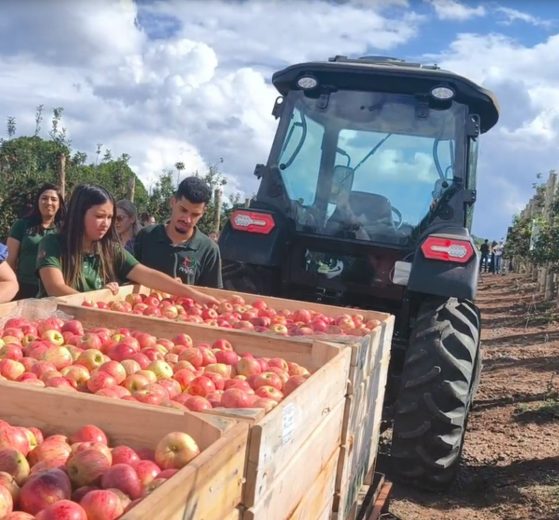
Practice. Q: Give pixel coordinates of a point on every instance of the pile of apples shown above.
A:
(137, 366)
(81, 477)
(236, 313)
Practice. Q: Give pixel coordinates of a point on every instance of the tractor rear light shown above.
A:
(252, 221)
(447, 249)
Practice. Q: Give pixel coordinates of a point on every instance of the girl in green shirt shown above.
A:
(44, 218)
(87, 254)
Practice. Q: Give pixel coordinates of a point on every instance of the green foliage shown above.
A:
(518, 238)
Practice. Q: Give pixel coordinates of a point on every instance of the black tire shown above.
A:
(439, 378)
(250, 278)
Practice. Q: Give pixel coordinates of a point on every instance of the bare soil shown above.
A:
(510, 466)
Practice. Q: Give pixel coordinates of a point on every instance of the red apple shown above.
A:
(115, 369)
(9, 482)
(86, 467)
(16, 438)
(123, 454)
(63, 510)
(123, 477)
(248, 366)
(91, 359)
(269, 392)
(236, 398)
(99, 379)
(44, 488)
(6, 502)
(229, 357)
(11, 369)
(184, 377)
(14, 462)
(201, 385)
(102, 504)
(197, 403)
(147, 470)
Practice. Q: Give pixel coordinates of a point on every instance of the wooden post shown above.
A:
(131, 188)
(62, 173)
(217, 200)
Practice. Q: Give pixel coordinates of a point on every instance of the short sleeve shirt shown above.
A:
(196, 261)
(29, 236)
(50, 255)
(3, 252)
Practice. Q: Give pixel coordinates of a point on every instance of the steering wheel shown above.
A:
(399, 219)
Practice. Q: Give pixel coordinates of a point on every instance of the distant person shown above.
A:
(127, 225)
(484, 249)
(214, 236)
(178, 248)
(45, 217)
(146, 219)
(8, 279)
(492, 257)
(498, 252)
(87, 255)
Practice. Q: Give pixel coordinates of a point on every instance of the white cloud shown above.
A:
(453, 10)
(514, 15)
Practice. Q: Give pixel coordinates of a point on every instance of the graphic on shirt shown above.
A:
(188, 266)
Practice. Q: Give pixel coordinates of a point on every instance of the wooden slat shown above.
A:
(209, 487)
(291, 485)
(320, 495)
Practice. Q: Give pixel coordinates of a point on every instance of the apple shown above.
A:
(9, 482)
(161, 369)
(11, 351)
(86, 466)
(11, 369)
(78, 374)
(267, 378)
(248, 366)
(264, 402)
(175, 450)
(115, 369)
(151, 394)
(279, 328)
(74, 326)
(89, 433)
(229, 357)
(294, 369)
(114, 392)
(201, 385)
(125, 500)
(146, 470)
(131, 366)
(44, 488)
(135, 382)
(13, 437)
(193, 356)
(197, 403)
(50, 450)
(123, 454)
(91, 359)
(183, 339)
(236, 398)
(141, 359)
(217, 379)
(100, 379)
(123, 477)
(241, 384)
(6, 502)
(14, 462)
(102, 504)
(214, 398)
(269, 392)
(292, 383)
(152, 378)
(63, 510)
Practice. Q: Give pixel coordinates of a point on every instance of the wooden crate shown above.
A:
(279, 437)
(369, 359)
(209, 487)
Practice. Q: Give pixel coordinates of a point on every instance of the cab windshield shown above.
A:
(368, 165)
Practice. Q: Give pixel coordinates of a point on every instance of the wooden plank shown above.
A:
(278, 437)
(320, 495)
(291, 485)
(209, 487)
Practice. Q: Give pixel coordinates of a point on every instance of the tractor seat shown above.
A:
(376, 209)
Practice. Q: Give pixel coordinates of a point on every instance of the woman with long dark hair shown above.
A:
(87, 254)
(44, 218)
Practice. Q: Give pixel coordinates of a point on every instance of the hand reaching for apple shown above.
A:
(204, 299)
(113, 287)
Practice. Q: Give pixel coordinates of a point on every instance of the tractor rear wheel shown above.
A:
(440, 375)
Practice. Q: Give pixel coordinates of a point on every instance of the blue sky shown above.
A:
(189, 80)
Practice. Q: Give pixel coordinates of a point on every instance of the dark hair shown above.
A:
(194, 189)
(85, 196)
(34, 214)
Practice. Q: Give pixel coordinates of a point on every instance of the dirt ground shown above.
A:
(510, 464)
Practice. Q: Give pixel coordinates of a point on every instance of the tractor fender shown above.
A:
(443, 278)
(264, 249)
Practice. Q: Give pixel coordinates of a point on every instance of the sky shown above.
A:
(190, 80)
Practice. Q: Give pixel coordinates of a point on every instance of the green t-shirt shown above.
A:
(50, 255)
(196, 261)
(29, 236)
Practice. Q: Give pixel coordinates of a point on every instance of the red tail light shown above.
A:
(447, 249)
(252, 221)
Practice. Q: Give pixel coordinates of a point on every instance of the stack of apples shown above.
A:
(134, 365)
(236, 313)
(81, 477)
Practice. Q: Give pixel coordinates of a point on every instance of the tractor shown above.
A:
(366, 201)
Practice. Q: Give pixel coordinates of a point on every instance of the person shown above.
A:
(214, 236)
(45, 217)
(484, 261)
(492, 257)
(498, 251)
(146, 219)
(178, 248)
(87, 255)
(8, 279)
(127, 225)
